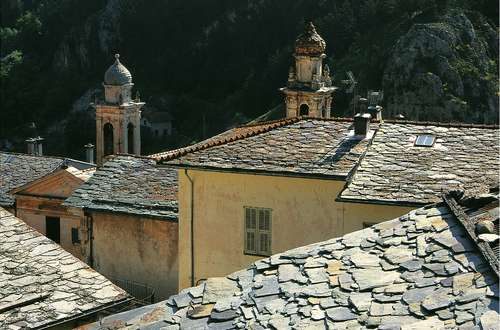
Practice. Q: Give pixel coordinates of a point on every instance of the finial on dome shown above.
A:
(117, 74)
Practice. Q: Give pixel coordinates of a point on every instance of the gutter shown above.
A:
(191, 207)
(336, 177)
(382, 202)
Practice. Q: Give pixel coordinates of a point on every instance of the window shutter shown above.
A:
(257, 231)
(250, 230)
(264, 232)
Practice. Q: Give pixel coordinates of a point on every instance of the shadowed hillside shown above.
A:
(219, 63)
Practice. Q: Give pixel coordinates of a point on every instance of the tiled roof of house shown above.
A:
(295, 146)
(18, 169)
(132, 185)
(42, 285)
(395, 170)
(419, 271)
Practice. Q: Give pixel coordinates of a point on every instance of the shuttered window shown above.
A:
(257, 231)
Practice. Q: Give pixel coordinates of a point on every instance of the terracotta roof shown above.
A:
(416, 272)
(295, 146)
(130, 184)
(42, 285)
(394, 170)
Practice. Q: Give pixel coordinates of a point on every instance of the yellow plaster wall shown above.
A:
(137, 249)
(304, 212)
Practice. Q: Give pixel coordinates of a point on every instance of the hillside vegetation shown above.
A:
(213, 64)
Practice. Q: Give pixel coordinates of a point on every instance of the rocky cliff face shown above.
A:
(445, 71)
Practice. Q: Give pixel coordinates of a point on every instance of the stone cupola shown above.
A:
(117, 83)
(310, 43)
(309, 87)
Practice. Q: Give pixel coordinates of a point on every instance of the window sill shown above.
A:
(256, 254)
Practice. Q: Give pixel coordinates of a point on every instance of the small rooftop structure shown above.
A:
(43, 286)
(19, 169)
(422, 270)
(130, 184)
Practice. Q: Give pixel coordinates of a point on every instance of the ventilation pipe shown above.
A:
(89, 153)
(30, 143)
(39, 146)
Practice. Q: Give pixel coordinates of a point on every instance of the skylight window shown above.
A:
(425, 140)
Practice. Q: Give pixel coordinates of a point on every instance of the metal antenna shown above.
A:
(351, 88)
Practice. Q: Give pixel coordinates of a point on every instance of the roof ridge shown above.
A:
(251, 124)
(439, 124)
(35, 156)
(231, 138)
(133, 155)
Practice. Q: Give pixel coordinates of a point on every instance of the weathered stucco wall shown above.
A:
(141, 250)
(304, 212)
(34, 210)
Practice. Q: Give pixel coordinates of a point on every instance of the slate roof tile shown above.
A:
(18, 169)
(296, 146)
(429, 294)
(41, 284)
(132, 185)
(394, 170)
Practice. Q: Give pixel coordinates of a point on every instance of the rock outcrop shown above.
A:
(445, 71)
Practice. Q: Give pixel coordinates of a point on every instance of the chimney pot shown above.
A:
(89, 153)
(31, 146)
(39, 146)
(362, 124)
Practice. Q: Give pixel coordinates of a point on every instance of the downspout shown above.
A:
(90, 225)
(191, 207)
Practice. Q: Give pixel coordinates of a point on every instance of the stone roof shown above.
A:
(388, 168)
(394, 170)
(42, 285)
(419, 271)
(19, 169)
(117, 74)
(309, 43)
(296, 146)
(130, 184)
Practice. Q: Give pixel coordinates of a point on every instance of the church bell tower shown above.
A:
(309, 88)
(118, 118)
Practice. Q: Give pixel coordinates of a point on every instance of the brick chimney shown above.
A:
(362, 124)
(89, 153)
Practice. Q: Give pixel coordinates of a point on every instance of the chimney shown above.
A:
(38, 146)
(31, 146)
(89, 153)
(362, 124)
(374, 109)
